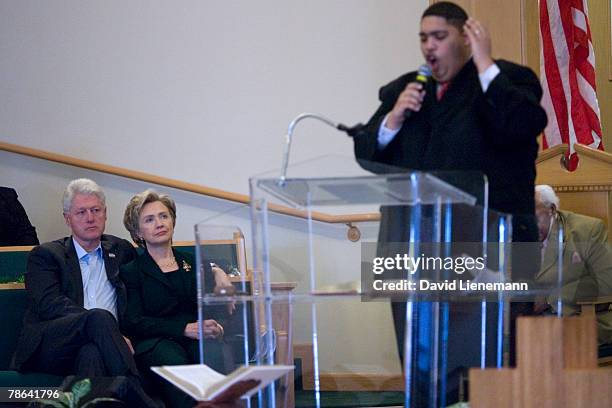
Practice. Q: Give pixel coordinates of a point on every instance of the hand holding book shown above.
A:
(230, 398)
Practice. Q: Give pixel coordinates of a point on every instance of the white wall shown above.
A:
(200, 91)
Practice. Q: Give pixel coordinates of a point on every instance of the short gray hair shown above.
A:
(547, 195)
(131, 217)
(81, 186)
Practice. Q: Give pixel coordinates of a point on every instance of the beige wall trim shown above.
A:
(120, 171)
(557, 150)
(586, 151)
(25, 248)
(12, 285)
(180, 185)
(241, 198)
(581, 189)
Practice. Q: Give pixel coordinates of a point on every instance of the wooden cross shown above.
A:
(556, 367)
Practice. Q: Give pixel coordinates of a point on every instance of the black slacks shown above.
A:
(86, 344)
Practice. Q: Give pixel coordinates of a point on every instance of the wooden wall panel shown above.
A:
(599, 18)
(514, 26)
(531, 35)
(504, 21)
(588, 190)
(503, 18)
(593, 203)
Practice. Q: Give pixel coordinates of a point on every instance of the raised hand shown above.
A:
(480, 42)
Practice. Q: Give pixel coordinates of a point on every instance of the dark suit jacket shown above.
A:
(155, 309)
(15, 227)
(55, 287)
(468, 130)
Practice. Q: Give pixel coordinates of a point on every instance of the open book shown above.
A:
(203, 383)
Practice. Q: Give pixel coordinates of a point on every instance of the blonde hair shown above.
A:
(131, 217)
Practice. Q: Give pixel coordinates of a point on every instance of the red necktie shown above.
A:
(442, 87)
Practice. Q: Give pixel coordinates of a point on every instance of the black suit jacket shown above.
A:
(468, 130)
(55, 287)
(155, 309)
(15, 227)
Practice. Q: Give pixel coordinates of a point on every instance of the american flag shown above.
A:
(567, 71)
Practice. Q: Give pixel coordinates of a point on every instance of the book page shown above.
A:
(263, 375)
(194, 379)
(204, 384)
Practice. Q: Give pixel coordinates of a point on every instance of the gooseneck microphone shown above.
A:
(423, 75)
(352, 131)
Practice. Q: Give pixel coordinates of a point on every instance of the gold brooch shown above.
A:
(186, 266)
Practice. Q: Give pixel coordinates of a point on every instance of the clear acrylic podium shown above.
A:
(311, 297)
(330, 309)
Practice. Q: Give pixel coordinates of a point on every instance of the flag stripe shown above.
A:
(567, 62)
(551, 69)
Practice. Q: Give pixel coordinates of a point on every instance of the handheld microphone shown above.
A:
(423, 75)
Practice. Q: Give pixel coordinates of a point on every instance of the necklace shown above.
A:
(167, 264)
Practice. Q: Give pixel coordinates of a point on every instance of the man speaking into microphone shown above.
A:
(473, 114)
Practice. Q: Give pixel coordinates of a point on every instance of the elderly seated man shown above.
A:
(587, 259)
